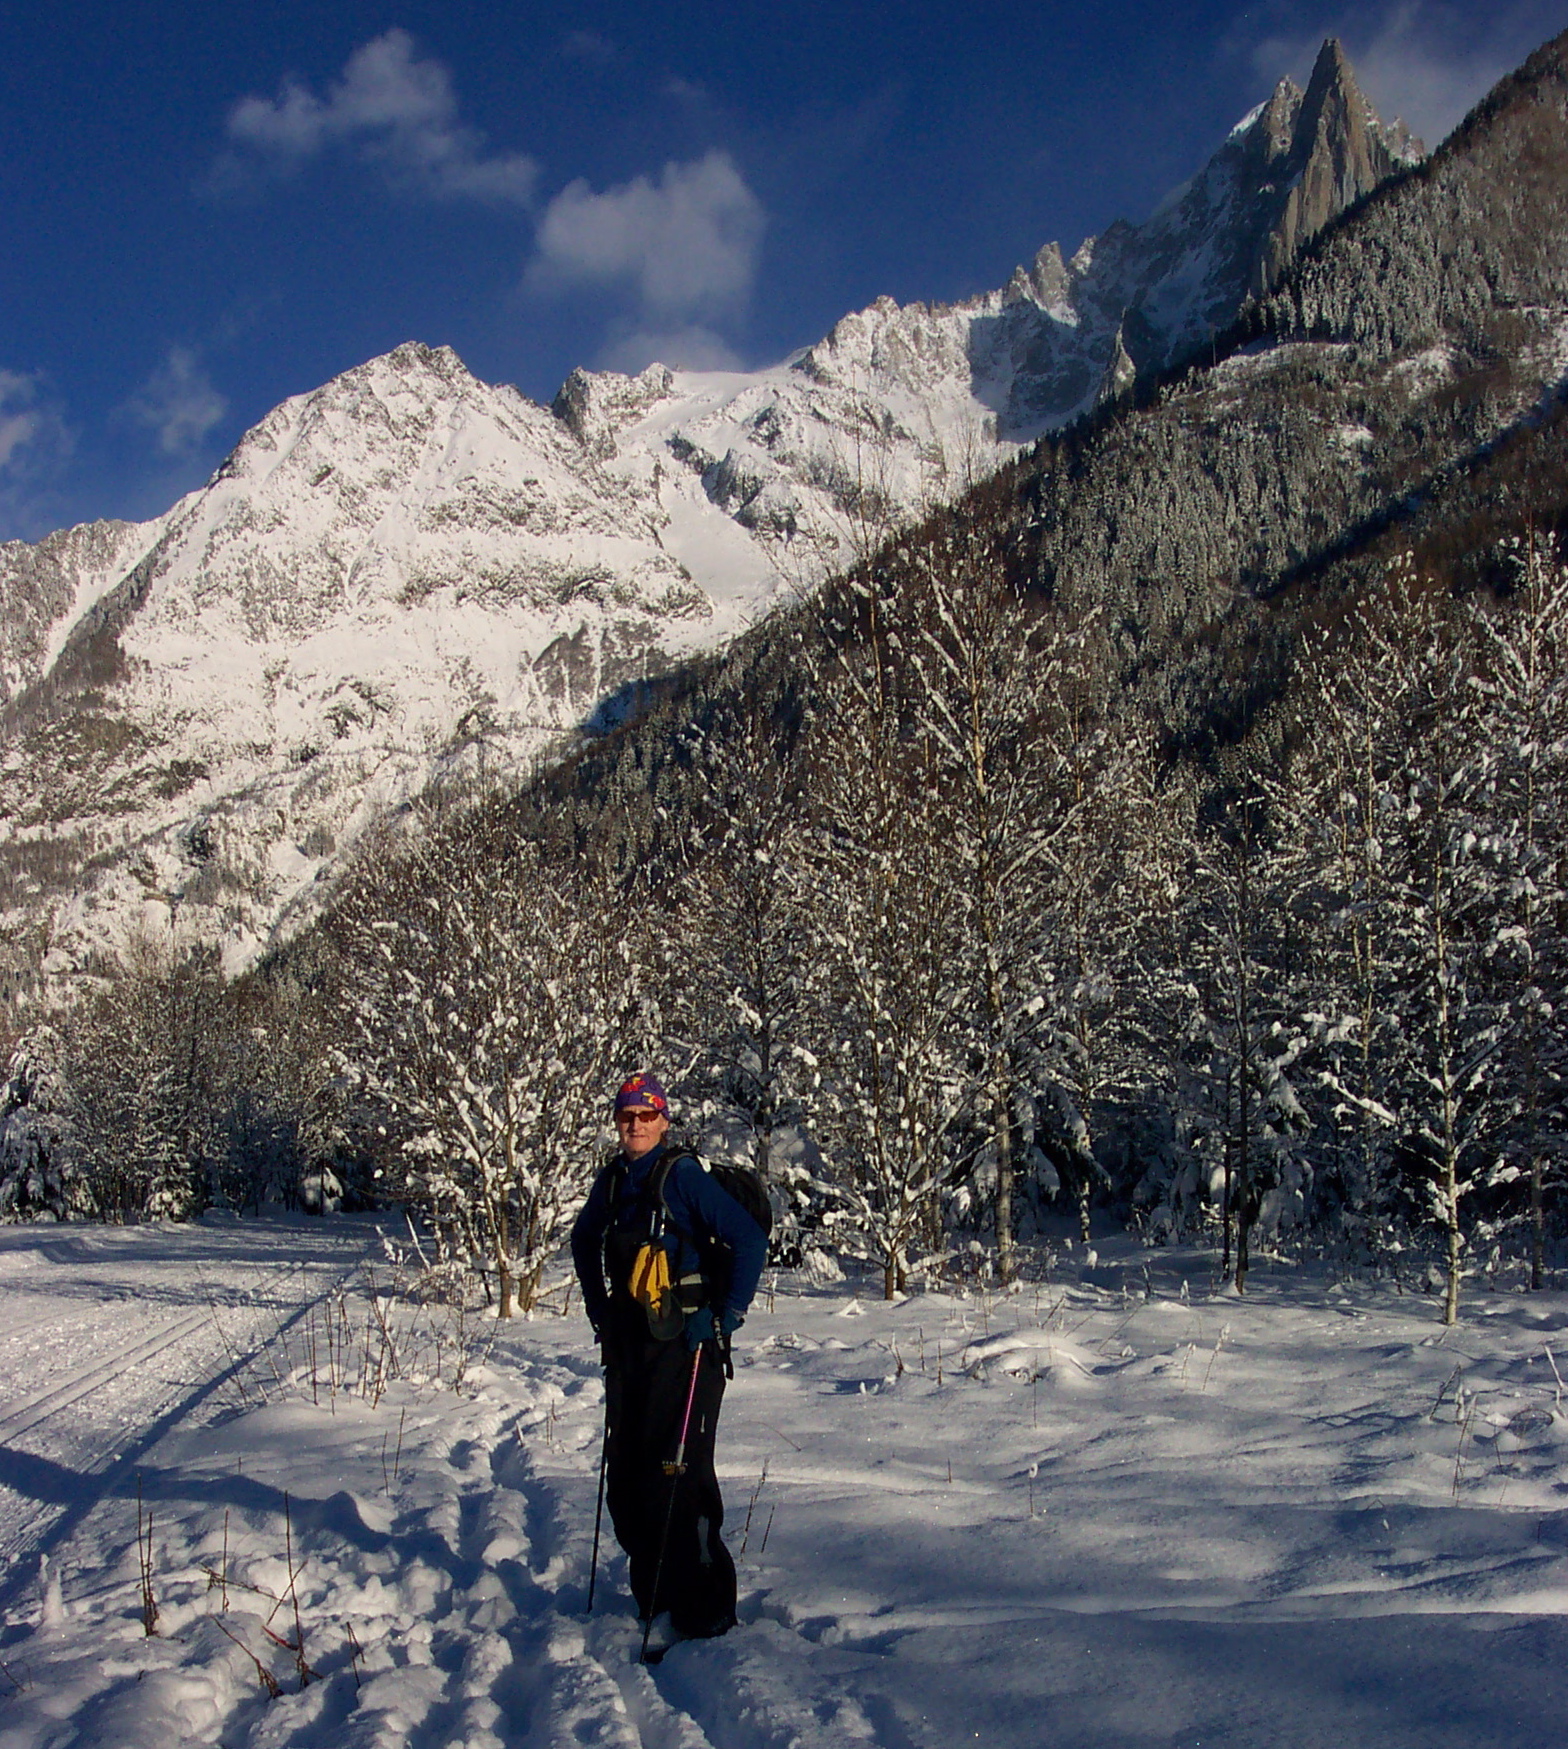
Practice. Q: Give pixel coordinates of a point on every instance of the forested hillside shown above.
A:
(1171, 832)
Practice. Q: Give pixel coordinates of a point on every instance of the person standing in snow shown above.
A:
(638, 1247)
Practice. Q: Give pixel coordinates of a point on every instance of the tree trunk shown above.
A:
(1225, 1186)
(528, 1286)
(1445, 1045)
(1003, 1129)
(1450, 1207)
(503, 1269)
(1451, 1290)
(1243, 1186)
(1086, 1090)
(1244, 1202)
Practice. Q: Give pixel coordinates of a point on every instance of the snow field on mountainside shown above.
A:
(1107, 1509)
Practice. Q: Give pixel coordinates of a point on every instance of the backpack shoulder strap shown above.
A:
(661, 1178)
(651, 1197)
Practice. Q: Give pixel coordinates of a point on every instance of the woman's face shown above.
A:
(640, 1128)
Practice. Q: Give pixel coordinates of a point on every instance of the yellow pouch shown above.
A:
(654, 1291)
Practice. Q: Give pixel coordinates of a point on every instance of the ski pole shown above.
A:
(598, 1516)
(674, 1471)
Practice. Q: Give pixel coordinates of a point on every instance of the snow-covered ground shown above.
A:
(1110, 1509)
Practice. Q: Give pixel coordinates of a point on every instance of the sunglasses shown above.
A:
(633, 1116)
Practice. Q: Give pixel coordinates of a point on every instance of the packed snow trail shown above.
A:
(114, 1335)
(1112, 1511)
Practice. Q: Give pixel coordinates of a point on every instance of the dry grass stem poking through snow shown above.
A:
(264, 1676)
(751, 1506)
(144, 1562)
(1551, 1362)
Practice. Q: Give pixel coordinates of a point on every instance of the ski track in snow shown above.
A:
(121, 1335)
(1076, 1515)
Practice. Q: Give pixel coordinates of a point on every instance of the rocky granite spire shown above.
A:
(1120, 371)
(1338, 152)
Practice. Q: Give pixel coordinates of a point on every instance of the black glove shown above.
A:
(701, 1327)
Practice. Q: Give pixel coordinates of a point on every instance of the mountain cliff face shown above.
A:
(46, 587)
(1317, 154)
(409, 574)
(1397, 406)
(403, 571)
(1370, 393)
(1156, 293)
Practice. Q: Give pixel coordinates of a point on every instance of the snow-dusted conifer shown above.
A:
(39, 1176)
(1451, 862)
(145, 1070)
(975, 659)
(1106, 888)
(1340, 810)
(743, 924)
(1244, 956)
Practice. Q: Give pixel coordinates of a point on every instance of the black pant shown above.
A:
(646, 1383)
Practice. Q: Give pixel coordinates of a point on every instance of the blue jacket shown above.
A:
(695, 1203)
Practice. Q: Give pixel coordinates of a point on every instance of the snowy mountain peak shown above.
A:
(596, 406)
(1273, 125)
(1045, 281)
(409, 572)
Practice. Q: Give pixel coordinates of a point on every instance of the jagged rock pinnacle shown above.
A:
(1338, 153)
(1120, 371)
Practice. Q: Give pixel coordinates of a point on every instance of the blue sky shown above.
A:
(204, 209)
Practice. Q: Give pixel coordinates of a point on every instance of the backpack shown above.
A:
(742, 1183)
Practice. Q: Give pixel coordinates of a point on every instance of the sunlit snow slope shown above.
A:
(409, 573)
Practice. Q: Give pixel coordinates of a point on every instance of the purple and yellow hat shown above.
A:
(642, 1092)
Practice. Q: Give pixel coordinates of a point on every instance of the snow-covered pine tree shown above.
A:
(1105, 881)
(1419, 858)
(287, 1109)
(974, 660)
(1452, 865)
(1147, 1014)
(1245, 954)
(39, 1176)
(744, 929)
(145, 1071)
(1340, 810)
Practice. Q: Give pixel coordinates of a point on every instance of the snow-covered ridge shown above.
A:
(409, 572)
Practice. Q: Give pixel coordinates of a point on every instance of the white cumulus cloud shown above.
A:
(35, 443)
(19, 417)
(178, 403)
(685, 242)
(391, 108)
(693, 347)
